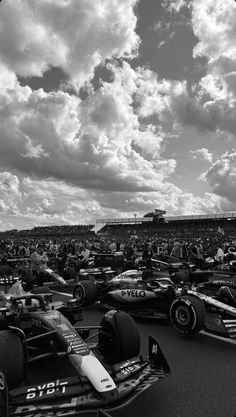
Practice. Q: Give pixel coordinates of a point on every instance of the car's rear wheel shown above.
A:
(85, 293)
(187, 315)
(118, 339)
(12, 357)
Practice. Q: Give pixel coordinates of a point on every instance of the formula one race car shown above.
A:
(181, 271)
(223, 288)
(107, 374)
(189, 311)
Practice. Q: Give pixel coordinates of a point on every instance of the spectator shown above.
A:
(38, 262)
(219, 255)
(197, 255)
(147, 255)
(85, 253)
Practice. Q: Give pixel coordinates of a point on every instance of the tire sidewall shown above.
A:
(13, 360)
(121, 331)
(79, 290)
(187, 315)
(88, 292)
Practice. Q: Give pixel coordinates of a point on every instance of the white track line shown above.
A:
(214, 336)
(62, 293)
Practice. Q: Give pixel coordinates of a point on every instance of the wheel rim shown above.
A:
(79, 294)
(183, 316)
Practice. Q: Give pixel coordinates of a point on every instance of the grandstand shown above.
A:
(178, 226)
(153, 224)
(52, 232)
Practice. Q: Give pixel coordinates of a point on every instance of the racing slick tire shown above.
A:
(187, 315)
(12, 357)
(118, 339)
(85, 293)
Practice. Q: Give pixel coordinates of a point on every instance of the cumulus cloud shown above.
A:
(9, 193)
(64, 158)
(97, 143)
(202, 153)
(222, 176)
(210, 105)
(176, 5)
(214, 25)
(74, 35)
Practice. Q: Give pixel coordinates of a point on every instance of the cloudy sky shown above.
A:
(111, 108)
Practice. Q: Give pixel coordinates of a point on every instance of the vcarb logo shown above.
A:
(2, 381)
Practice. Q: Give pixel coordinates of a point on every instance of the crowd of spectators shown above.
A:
(49, 231)
(191, 243)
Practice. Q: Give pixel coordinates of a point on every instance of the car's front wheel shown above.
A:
(118, 339)
(12, 357)
(85, 293)
(187, 315)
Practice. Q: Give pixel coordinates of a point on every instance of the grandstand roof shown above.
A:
(125, 220)
(227, 215)
(129, 220)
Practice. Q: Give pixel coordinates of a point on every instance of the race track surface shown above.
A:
(203, 373)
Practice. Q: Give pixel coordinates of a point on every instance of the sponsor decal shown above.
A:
(129, 369)
(2, 382)
(63, 327)
(155, 349)
(44, 411)
(46, 389)
(52, 316)
(133, 293)
(75, 344)
(79, 347)
(137, 385)
(70, 336)
(228, 283)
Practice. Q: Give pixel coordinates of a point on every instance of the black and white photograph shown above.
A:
(117, 208)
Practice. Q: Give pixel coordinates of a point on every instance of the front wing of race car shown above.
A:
(74, 395)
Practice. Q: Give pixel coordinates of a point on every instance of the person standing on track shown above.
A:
(38, 261)
(197, 255)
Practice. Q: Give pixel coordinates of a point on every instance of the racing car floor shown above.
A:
(203, 373)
